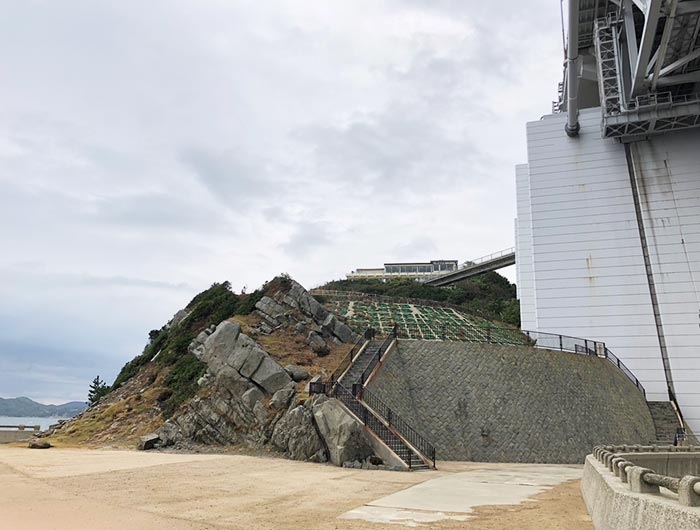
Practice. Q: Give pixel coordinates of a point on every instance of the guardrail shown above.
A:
(374, 423)
(347, 360)
(374, 361)
(22, 427)
(645, 480)
(488, 257)
(399, 424)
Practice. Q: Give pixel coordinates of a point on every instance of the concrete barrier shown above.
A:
(17, 433)
(642, 487)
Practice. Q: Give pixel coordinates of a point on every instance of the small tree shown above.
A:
(98, 389)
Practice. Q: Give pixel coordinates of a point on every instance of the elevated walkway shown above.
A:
(492, 262)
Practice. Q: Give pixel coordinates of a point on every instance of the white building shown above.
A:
(608, 227)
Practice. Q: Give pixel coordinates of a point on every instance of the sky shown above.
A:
(149, 149)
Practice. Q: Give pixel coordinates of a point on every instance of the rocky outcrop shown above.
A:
(148, 442)
(296, 435)
(248, 398)
(292, 305)
(345, 438)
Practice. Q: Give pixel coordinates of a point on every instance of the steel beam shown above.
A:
(679, 63)
(665, 40)
(653, 13)
(630, 33)
(680, 79)
(688, 7)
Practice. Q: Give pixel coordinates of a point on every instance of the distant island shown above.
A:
(25, 407)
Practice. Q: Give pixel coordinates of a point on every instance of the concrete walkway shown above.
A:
(455, 495)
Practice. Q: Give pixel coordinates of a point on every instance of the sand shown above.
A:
(72, 489)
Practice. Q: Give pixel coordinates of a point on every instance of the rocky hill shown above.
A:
(24, 407)
(231, 370)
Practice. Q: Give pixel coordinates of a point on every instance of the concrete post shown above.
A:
(635, 477)
(616, 465)
(624, 468)
(612, 465)
(688, 491)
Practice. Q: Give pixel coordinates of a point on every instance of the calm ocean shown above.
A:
(44, 422)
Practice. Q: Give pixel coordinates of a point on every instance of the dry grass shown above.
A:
(287, 347)
(121, 418)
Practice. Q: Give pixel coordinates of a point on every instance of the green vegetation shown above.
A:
(489, 295)
(98, 389)
(167, 347)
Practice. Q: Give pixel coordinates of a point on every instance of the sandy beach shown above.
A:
(73, 489)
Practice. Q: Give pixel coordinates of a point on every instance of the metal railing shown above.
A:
(488, 257)
(610, 356)
(374, 361)
(377, 426)
(399, 424)
(347, 360)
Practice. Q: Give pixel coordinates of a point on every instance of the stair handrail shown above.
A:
(372, 421)
(347, 360)
(378, 356)
(398, 424)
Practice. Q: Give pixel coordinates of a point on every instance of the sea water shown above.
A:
(27, 421)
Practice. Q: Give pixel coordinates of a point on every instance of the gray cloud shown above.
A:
(147, 150)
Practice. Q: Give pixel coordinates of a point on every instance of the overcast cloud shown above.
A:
(148, 149)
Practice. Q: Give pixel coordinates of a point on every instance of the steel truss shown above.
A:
(648, 63)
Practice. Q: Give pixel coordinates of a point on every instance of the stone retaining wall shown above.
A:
(503, 403)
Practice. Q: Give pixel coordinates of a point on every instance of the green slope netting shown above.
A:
(424, 322)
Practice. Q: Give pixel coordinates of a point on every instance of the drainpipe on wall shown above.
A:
(572, 125)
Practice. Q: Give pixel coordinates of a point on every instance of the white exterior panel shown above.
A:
(580, 256)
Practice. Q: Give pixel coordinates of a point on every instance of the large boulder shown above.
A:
(344, 436)
(282, 398)
(270, 375)
(148, 442)
(297, 373)
(296, 435)
(219, 345)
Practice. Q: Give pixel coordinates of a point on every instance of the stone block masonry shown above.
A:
(499, 403)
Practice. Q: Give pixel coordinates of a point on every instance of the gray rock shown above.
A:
(36, 444)
(178, 317)
(252, 396)
(343, 435)
(148, 442)
(261, 414)
(270, 375)
(297, 373)
(270, 307)
(282, 398)
(300, 328)
(317, 343)
(296, 435)
(253, 360)
(221, 342)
